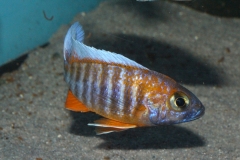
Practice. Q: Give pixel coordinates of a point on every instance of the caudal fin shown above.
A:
(74, 32)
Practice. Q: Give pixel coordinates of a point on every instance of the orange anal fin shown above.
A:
(104, 126)
(73, 104)
(111, 124)
(106, 130)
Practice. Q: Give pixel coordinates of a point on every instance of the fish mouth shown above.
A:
(199, 114)
(195, 116)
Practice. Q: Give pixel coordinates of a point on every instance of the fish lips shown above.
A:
(195, 116)
(200, 113)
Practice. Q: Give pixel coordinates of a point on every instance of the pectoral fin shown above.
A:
(105, 126)
(73, 104)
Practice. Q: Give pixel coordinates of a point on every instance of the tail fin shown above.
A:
(74, 32)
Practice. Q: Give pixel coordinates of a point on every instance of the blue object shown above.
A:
(27, 24)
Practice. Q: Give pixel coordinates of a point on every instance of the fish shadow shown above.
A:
(147, 11)
(221, 8)
(162, 137)
(152, 9)
(177, 63)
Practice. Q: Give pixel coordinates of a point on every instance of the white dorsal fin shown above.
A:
(74, 32)
(85, 52)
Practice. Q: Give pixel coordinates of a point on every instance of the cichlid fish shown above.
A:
(126, 93)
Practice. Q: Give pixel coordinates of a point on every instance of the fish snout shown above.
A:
(200, 111)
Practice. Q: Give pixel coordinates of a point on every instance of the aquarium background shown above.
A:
(26, 24)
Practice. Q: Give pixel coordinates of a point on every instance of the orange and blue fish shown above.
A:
(125, 93)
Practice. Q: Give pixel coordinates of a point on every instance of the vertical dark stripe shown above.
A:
(77, 77)
(80, 81)
(97, 86)
(116, 103)
(89, 85)
(72, 76)
(85, 83)
(103, 99)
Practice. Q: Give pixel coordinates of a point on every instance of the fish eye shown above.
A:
(179, 101)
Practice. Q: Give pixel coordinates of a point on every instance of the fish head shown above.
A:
(179, 105)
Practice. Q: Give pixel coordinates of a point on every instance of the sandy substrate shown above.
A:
(198, 50)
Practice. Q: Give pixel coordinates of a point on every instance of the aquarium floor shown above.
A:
(198, 50)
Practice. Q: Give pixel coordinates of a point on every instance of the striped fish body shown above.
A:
(117, 92)
(126, 93)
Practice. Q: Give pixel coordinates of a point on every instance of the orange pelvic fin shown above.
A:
(73, 104)
(107, 125)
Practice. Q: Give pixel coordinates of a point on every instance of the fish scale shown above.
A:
(94, 86)
(121, 90)
(97, 88)
(86, 84)
(81, 84)
(77, 77)
(90, 96)
(112, 88)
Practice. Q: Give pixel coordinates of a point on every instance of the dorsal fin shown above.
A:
(81, 51)
(74, 32)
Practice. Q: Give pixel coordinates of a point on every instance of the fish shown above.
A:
(125, 93)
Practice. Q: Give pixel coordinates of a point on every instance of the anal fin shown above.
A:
(73, 104)
(105, 126)
(106, 130)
